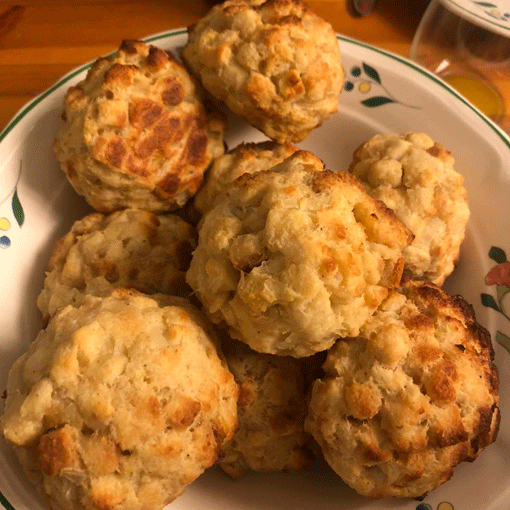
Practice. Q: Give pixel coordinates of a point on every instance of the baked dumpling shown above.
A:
(130, 249)
(136, 133)
(272, 408)
(293, 257)
(414, 176)
(275, 63)
(106, 410)
(410, 397)
(245, 158)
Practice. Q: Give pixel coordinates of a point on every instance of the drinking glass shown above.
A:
(467, 43)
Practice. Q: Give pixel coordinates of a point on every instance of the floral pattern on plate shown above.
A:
(492, 10)
(499, 276)
(365, 78)
(10, 205)
(444, 505)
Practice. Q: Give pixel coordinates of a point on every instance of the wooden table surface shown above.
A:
(40, 40)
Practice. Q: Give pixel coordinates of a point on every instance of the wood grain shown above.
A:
(41, 40)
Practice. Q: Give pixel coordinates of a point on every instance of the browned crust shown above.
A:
(155, 138)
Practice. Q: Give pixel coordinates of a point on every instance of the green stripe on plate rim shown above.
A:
(165, 35)
(5, 503)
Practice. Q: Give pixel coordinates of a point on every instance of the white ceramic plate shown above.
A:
(383, 93)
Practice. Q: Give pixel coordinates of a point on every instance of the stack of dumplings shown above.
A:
(246, 306)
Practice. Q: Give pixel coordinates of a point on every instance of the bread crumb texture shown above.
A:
(125, 249)
(272, 409)
(409, 398)
(275, 63)
(136, 133)
(245, 158)
(106, 410)
(294, 257)
(415, 177)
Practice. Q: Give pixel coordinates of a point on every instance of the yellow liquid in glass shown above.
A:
(482, 95)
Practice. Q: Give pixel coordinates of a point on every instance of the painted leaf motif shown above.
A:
(485, 4)
(376, 101)
(497, 254)
(488, 300)
(17, 209)
(503, 340)
(371, 72)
